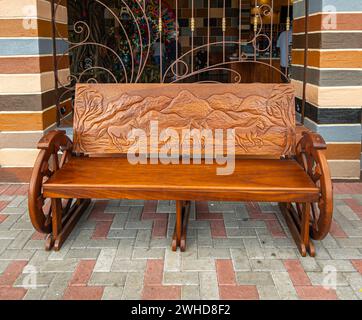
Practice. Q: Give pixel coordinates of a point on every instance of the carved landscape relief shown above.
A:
(263, 117)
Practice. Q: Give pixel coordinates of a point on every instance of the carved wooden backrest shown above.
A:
(263, 115)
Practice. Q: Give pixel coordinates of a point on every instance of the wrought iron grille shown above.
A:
(116, 41)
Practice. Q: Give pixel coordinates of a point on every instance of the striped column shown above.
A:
(27, 82)
(334, 76)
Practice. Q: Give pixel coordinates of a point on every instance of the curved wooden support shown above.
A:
(298, 224)
(55, 217)
(311, 156)
(182, 218)
(46, 164)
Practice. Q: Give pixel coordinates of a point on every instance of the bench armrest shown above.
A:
(312, 157)
(314, 140)
(55, 150)
(54, 137)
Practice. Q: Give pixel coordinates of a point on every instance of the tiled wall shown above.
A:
(27, 95)
(334, 89)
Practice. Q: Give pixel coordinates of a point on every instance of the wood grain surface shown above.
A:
(262, 115)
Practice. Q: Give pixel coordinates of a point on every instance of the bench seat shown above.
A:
(252, 180)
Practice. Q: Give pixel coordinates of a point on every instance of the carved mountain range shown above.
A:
(259, 122)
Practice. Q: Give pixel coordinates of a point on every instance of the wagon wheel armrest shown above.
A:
(53, 138)
(313, 140)
(55, 150)
(311, 156)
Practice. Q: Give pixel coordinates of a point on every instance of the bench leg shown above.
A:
(64, 219)
(182, 218)
(298, 221)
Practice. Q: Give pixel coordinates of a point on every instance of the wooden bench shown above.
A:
(270, 164)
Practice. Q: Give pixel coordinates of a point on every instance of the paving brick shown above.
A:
(267, 265)
(357, 264)
(41, 280)
(57, 287)
(161, 293)
(162, 242)
(345, 253)
(346, 293)
(284, 286)
(159, 229)
(340, 265)
(3, 265)
(12, 293)
(134, 214)
(108, 279)
(83, 293)
(16, 201)
(145, 224)
(280, 253)
(3, 218)
(84, 254)
(275, 228)
(180, 278)
(253, 249)
(309, 263)
(112, 293)
(148, 253)
(122, 234)
(268, 293)
(13, 210)
(198, 265)
(254, 278)
(60, 255)
(172, 260)
(228, 243)
(218, 253)
(297, 273)
(315, 293)
(9, 234)
(330, 242)
(225, 272)
(119, 221)
(129, 266)
(82, 273)
(347, 212)
(241, 233)
(133, 286)
(238, 293)
(101, 230)
(11, 273)
(355, 242)
(190, 293)
(209, 289)
(317, 279)
(143, 239)
(125, 249)
(154, 273)
(101, 244)
(105, 260)
(34, 294)
(66, 265)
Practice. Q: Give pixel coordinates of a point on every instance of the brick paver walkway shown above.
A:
(121, 250)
